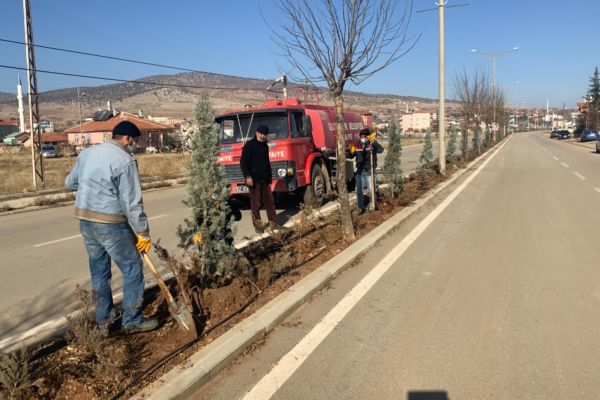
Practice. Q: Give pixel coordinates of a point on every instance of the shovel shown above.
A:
(182, 315)
(373, 204)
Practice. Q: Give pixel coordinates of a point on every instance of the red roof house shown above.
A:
(95, 132)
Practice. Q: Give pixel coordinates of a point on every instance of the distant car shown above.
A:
(564, 134)
(136, 149)
(49, 151)
(553, 134)
(588, 135)
(151, 149)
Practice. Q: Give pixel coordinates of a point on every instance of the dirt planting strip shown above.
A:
(183, 380)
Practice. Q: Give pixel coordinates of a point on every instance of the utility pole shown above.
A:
(37, 162)
(442, 94)
(442, 83)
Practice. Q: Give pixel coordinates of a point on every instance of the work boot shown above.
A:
(259, 228)
(147, 325)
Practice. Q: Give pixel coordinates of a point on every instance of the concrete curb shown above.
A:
(27, 202)
(181, 381)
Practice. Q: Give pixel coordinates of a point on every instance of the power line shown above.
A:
(85, 53)
(103, 78)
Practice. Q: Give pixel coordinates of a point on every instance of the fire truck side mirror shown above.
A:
(307, 125)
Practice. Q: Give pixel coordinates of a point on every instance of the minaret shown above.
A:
(20, 100)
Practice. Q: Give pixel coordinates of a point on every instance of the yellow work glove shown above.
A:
(372, 137)
(197, 238)
(143, 243)
(352, 149)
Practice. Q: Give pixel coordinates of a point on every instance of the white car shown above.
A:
(151, 149)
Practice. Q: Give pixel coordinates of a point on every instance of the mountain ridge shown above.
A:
(175, 96)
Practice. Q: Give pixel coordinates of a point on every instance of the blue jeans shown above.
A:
(363, 181)
(106, 242)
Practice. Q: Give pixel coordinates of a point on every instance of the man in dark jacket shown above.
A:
(363, 151)
(256, 168)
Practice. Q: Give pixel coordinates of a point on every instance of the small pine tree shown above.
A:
(451, 147)
(207, 195)
(488, 138)
(476, 144)
(464, 146)
(392, 167)
(427, 153)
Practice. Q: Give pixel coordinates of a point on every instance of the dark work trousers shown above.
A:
(261, 195)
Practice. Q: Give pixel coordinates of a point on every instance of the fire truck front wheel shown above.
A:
(316, 192)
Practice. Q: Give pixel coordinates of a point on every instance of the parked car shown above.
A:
(136, 149)
(564, 134)
(49, 151)
(151, 149)
(554, 135)
(588, 135)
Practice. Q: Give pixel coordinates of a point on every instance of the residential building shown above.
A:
(100, 129)
(55, 138)
(8, 126)
(415, 122)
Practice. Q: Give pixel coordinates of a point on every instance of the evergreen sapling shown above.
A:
(476, 144)
(451, 147)
(465, 144)
(208, 231)
(392, 167)
(427, 153)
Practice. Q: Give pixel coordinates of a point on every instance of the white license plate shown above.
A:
(242, 189)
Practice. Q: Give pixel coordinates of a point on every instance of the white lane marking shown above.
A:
(79, 235)
(289, 363)
(556, 158)
(577, 174)
(57, 241)
(597, 189)
(564, 164)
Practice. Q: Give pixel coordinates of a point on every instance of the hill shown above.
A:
(61, 106)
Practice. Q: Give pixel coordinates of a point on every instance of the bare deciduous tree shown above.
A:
(474, 95)
(339, 41)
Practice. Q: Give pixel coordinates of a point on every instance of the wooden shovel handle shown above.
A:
(158, 279)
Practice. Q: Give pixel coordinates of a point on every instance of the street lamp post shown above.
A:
(493, 55)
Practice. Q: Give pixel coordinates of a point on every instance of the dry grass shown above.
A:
(17, 175)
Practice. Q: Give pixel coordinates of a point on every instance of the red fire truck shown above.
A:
(302, 145)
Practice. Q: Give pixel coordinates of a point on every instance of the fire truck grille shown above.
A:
(234, 172)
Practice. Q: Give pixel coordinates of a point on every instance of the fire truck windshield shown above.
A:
(230, 125)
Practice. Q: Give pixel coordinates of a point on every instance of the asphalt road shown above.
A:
(496, 297)
(43, 258)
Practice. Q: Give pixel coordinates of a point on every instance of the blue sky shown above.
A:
(557, 52)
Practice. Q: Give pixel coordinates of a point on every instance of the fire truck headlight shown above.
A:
(281, 172)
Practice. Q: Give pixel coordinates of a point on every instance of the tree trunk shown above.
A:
(343, 199)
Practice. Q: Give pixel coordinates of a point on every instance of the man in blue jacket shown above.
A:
(113, 224)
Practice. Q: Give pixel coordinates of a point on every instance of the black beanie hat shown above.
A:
(263, 129)
(126, 128)
(365, 132)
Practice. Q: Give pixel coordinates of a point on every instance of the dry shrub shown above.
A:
(84, 334)
(109, 360)
(14, 373)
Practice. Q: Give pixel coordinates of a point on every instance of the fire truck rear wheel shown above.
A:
(316, 192)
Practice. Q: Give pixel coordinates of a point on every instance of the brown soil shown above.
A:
(67, 369)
